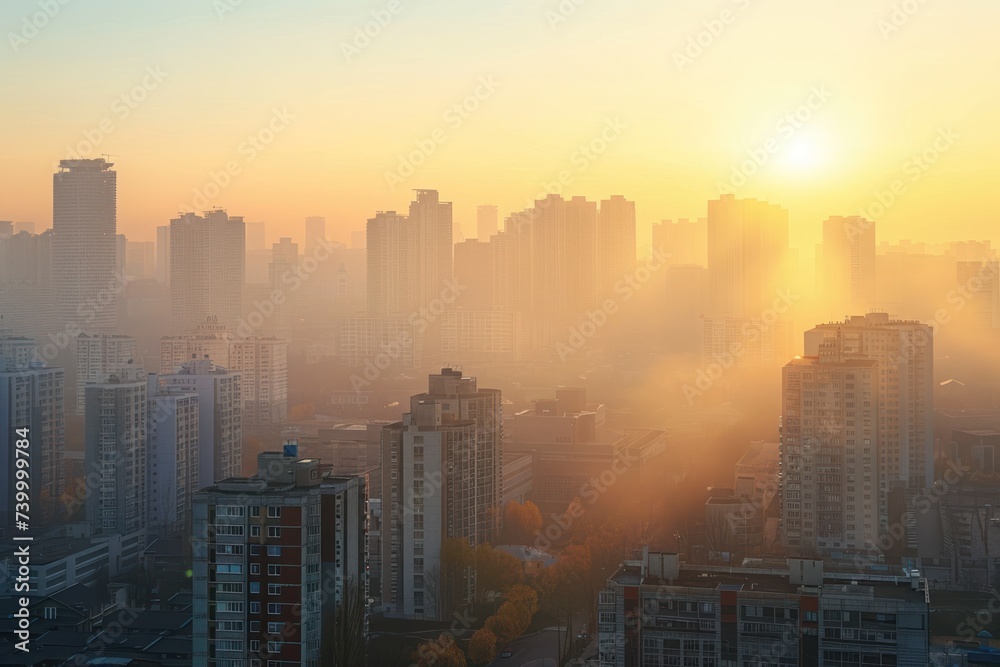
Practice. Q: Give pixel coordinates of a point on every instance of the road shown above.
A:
(538, 650)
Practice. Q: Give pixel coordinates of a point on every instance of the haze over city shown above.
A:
(529, 333)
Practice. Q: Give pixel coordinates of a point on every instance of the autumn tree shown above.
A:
(564, 588)
(440, 652)
(524, 597)
(483, 647)
(521, 522)
(513, 618)
(496, 571)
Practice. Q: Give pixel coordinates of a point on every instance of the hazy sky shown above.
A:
(679, 128)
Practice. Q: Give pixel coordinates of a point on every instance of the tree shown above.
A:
(521, 522)
(343, 644)
(524, 597)
(564, 588)
(440, 652)
(482, 647)
(496, 571)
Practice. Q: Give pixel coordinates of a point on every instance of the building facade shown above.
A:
(657, 611)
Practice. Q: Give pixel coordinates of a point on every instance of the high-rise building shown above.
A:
(830, 450)
(980, 280)
(163, 254)
(616, 242)
(474, 273)
(116, 452)
(487, 222)
(27, 301)
(121, 253)
(84, 223)
(847, 264)
(746, 319)
(390, 246)
(904, 350)
(748, 255)
(207, 269)
(315, 233)
(173, 451)
(273, 553)
(140, 260)
(432, 223)
(27, 259)
(684, 242)
(31, 409)
(261, 361)
(441, 479)
(100, 356)
(482, 336)
(220, 412)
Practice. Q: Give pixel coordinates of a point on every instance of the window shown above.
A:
(255, 586)
(273, 608)
(274, 531)
(254, 568)
(229, 510)
(274, 589)
(274, 570)
(254, 607)
(254, 645)
(273, 512)
(274, 628)
(274, 647)
(274, 551)
(254, 548)
(50, 613)
(254, 531)
(255, 511)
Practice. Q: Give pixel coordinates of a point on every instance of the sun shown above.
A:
(804, 153)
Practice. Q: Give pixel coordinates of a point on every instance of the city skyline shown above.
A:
(323, 161)
(533, 332)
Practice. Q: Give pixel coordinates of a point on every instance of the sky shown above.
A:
(278, 110)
